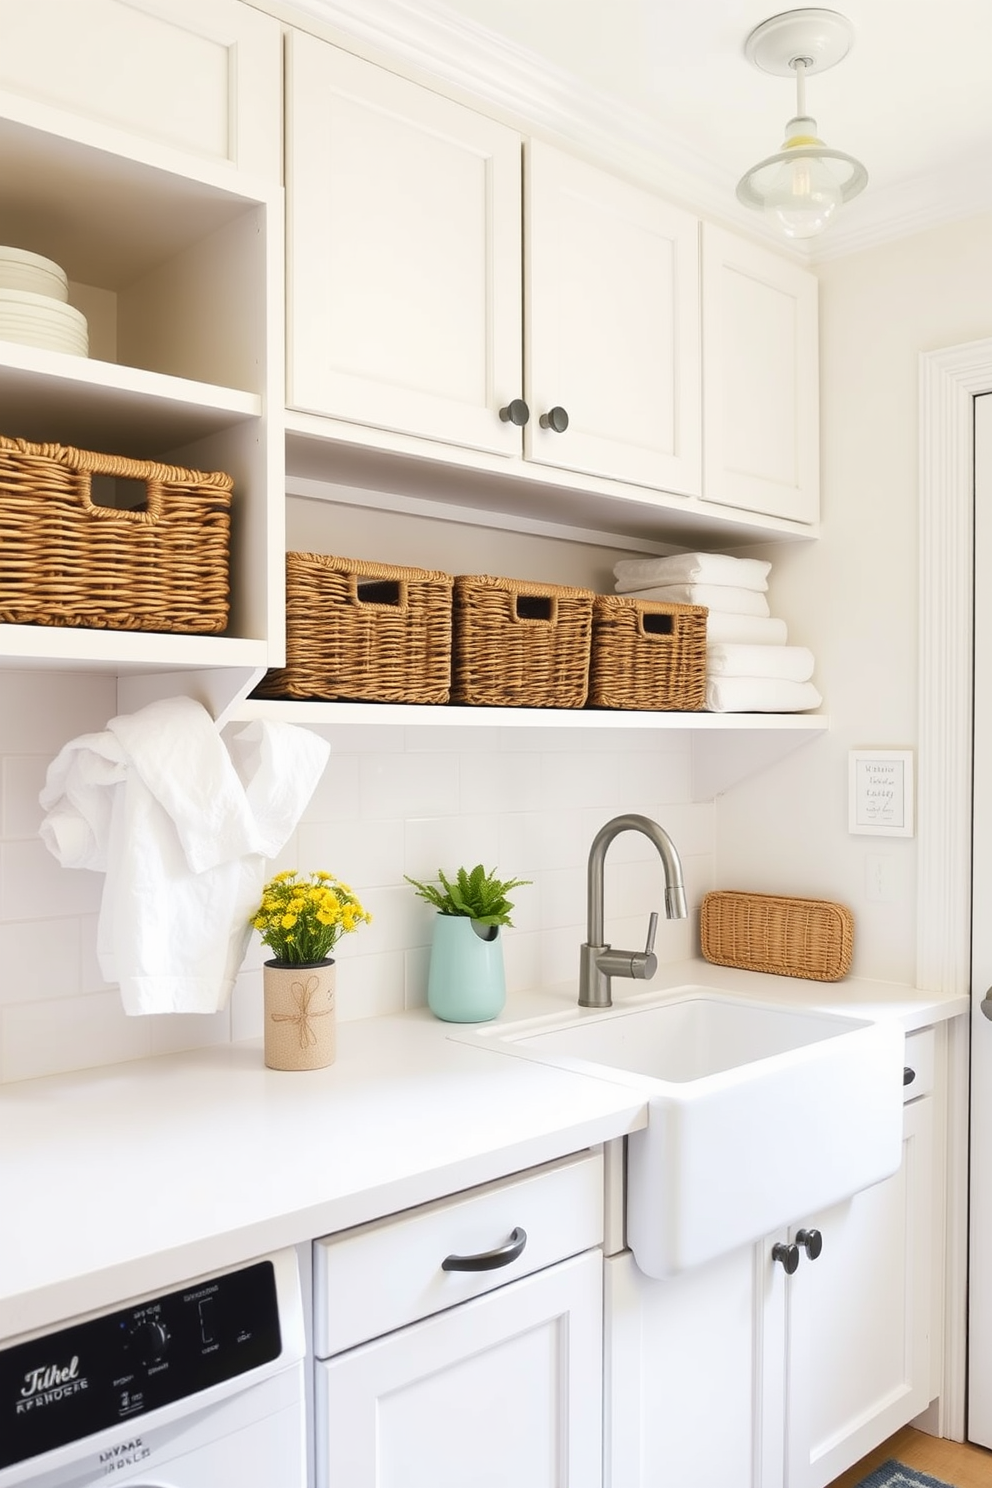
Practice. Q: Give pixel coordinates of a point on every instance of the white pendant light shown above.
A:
(801, 187)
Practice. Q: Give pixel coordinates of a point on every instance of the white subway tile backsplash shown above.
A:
(407, 785)
(450, 843)
(21, 779)
(40, 712)
(39, 960)
(34, 885)
(369, 986)
(359, 852)
(44, 1038)
(392, 801)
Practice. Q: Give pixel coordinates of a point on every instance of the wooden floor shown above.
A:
(962, 1465)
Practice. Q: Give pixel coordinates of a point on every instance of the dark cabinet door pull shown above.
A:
(786, 1255)
(811, 1241)
(515, 412)
(489, 1260)
(555, 419)
(908, 1075)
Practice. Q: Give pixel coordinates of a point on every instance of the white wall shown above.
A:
(853, 595)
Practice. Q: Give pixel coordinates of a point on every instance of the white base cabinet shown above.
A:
(804, 1372)
(505, 1389)
(460, 1344)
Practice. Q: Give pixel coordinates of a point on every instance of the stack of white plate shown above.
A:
(33, 304)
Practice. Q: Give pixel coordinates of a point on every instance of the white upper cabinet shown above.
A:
(199, 76)
(612, 313)
(760, 380)
(404, 254)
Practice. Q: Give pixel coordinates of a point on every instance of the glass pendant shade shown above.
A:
(801, 187)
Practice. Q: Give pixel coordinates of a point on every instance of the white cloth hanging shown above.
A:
(182, 829)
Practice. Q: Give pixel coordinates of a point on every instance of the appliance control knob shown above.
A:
(148, 1341)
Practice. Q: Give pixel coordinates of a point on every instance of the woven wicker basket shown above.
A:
(66, 561)
(519, 644)
(647, 655)
(368, 632)
(811, 938)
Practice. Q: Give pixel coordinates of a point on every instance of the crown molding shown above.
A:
(426, 36)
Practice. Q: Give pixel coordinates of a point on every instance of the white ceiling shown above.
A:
(668, 81)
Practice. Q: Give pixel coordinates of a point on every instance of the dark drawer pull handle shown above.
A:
(908, 1075)
(489, 1260)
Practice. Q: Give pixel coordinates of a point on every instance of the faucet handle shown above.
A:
(652, 932)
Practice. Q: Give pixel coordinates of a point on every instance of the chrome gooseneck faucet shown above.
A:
(600, 962)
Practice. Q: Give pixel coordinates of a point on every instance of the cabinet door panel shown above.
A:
(760, 380)
(680, 1400)
(859, 1332)
(404, 254)
(506, 1389)
(611, 275)
(202, 76)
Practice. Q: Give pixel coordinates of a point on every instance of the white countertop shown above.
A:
(131, 1178)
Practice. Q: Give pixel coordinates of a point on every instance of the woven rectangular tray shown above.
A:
(811, 938)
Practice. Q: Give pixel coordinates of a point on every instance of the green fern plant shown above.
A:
(476, 894)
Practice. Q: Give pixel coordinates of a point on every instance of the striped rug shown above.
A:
(895, 1475)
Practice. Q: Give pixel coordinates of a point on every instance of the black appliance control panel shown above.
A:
(65, 1385)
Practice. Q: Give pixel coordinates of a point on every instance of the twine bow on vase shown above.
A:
(303, 994)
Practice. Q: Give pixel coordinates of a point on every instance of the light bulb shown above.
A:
(802, 196)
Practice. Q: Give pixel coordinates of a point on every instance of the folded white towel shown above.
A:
(182, 831)
(718, 596)
(750, 630)
(759, 695)
(691, 568)
(791, 663)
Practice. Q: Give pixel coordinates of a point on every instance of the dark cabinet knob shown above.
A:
(787, 1256)
(516, 412)
(908, 1075)
(555, 419)
(811, 1241)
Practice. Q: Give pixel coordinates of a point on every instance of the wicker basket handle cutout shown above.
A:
(654, 627)
(535, 609)
(378, 594)
(88, 463)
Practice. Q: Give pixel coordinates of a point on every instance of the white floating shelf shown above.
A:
(452, 715)
(62, 648)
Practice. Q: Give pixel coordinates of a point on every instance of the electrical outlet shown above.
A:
(880, 878)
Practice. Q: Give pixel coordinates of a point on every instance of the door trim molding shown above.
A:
(950, 379)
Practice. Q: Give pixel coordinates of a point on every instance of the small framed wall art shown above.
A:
(880, 792)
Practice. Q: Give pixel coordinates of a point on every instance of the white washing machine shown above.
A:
(202, 1387)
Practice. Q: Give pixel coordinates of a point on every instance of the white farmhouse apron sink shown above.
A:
(759, 1114)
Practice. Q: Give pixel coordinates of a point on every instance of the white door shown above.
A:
(980, 1260)
(612, 320)
(503, 1390)
(403, 262)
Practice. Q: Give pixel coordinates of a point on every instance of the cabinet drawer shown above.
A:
(379, 1276)
(920, 1052)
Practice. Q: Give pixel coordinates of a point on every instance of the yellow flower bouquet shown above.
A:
(302, 920)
